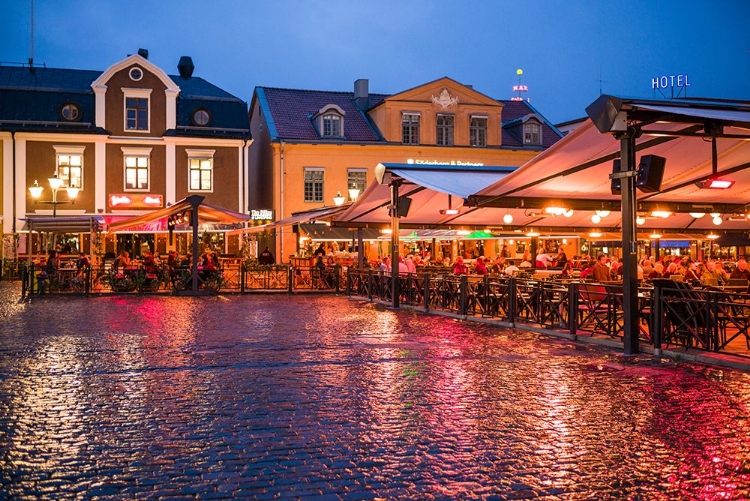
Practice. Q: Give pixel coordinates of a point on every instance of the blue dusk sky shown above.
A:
(568, 50)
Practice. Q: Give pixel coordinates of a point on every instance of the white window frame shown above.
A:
(418, 125)
(200, 155)
(136, 94)
(69, 151)
(322, 185)
(473, 130)
(136, 153)
(361, 186)
(445, 129)
(528, 135)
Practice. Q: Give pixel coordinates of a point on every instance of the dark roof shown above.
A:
(290, 113)
(514, 112)
(31, 99)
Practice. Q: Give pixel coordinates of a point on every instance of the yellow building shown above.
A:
(310, 146)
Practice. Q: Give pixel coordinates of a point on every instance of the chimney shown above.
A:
(362, 93)
(143, 53)
(186, 67)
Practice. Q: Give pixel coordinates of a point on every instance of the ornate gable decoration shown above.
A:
(445, 100)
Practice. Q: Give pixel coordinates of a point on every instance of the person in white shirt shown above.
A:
(511, 269)
(542, 259)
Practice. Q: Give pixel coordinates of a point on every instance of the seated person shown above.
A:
(511, 269)
(121, 262)
(149, 263)
(740, 272)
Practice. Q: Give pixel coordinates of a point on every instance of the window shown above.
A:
(135, 74)
(201, 170)
(70, 165)
(137, 172)
(137, 109)
(410, 128)
(201, 117)
(532, 132)
(445, 130)
(70, 112)
(331, 125)
(478, 131)
(313, 184)
(357, 179)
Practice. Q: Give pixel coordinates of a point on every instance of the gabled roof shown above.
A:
(289, 113)
(30, 99)
(514, 112)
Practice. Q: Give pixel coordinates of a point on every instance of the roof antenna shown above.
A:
(31, 57)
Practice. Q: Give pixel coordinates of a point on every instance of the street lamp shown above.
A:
(353, 192)
(55, 183)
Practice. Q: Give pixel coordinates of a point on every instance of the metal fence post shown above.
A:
(370, 283)
(337, 278)
(656, 320)
(289, 279)
(512, 301)
(464, 295)
(426, 294)
(242, 277)
(573, 309)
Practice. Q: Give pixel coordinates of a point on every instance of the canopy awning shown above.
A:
(322, 232)
(156, 220)
(319, 214)
(432, 189)
(64, 224)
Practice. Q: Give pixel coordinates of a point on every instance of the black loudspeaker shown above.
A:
(616, 185)
(650, 173)
(404, 203)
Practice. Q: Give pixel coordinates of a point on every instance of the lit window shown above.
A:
(201, 170)
(410, 128)
(445, 130)
(532, 132)
(137, 173)
(357, 179)
(313, 185)
(331, 126)
(478, 131)
(70, 165)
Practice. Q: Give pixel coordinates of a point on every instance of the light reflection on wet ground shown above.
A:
(306, 396)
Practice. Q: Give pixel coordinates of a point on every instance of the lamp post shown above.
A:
(55, 183)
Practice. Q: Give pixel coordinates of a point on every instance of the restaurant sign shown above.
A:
(261, 215)
(135, 201)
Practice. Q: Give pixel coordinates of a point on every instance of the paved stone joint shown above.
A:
(325, 398)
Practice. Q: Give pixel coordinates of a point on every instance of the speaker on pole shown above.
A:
(616, 185)
(650, 173)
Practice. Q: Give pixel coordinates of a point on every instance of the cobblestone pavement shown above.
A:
(321, 397)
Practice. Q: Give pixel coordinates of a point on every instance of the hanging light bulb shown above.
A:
(602, 213)
(596, 219)
(640, 220)
(568, 213)
(697, 215)
(508, 218)
(717, 220)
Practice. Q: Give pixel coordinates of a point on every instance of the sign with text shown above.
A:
(261, 214)
(135, 201)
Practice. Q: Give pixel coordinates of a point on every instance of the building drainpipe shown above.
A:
(13, 227)
(281, 201)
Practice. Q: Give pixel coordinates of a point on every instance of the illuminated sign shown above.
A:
(135, 201)
(443, 162)
(670, 81)
(261, 214)
(520, 88)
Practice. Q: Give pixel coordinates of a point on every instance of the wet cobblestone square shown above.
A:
(321, 397)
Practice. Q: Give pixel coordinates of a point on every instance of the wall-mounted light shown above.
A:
(655, 236)
(339, 199)
(353, 192)
(595, 234)
(532, 233)
(712, 236)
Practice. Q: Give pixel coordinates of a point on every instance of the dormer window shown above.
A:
(331, 125)
(330, 121)
(70, 112)
(532, 133)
